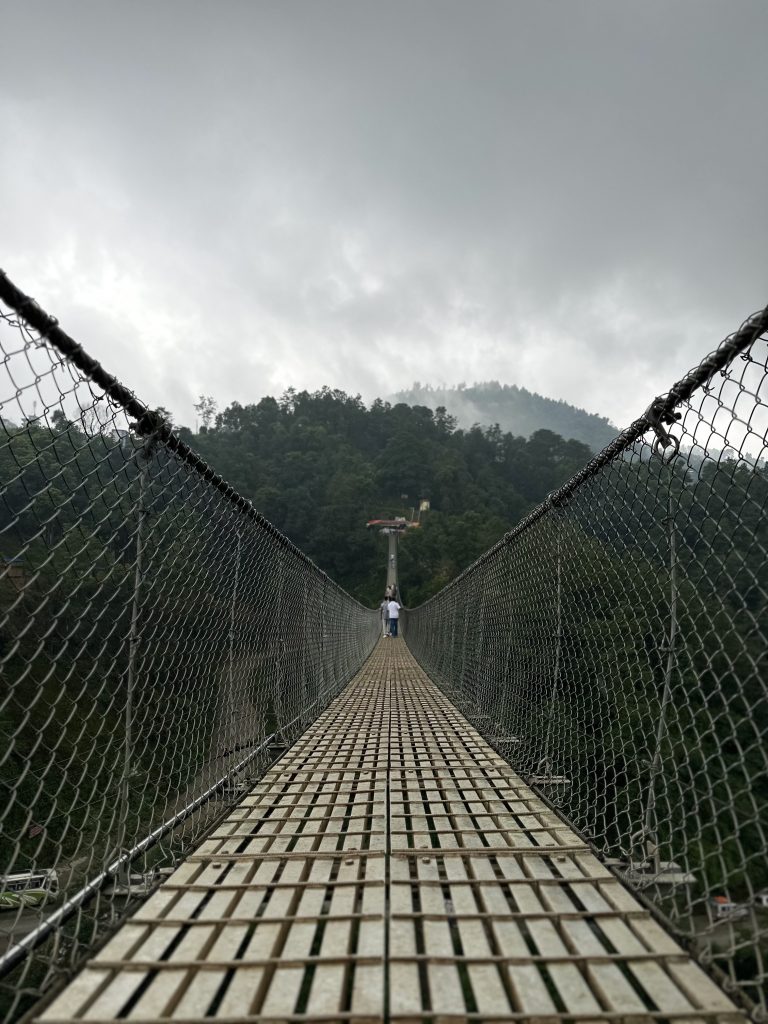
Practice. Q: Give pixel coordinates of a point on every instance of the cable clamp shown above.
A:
(555, 502)
(154, 428)
(657, 416)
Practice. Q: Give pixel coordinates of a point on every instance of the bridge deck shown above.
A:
(391, 866)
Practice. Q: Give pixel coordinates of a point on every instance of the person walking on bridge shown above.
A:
(384, 611)
(394, 615)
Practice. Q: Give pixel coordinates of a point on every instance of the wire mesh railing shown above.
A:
(613, 647)
(160, 642)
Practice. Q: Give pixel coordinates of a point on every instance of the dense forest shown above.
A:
(319, 465)
(515, 409)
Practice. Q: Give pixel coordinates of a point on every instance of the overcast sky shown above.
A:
(232, 197)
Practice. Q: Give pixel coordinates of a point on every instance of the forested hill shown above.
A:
(319, 465)
(515, 409)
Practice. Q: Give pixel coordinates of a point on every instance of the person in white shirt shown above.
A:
(394, 615)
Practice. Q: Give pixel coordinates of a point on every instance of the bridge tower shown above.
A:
(392, 580)
(393, 529)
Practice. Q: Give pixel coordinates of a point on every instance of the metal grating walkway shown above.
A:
(391, 866)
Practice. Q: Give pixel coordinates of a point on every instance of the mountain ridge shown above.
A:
(516, 410)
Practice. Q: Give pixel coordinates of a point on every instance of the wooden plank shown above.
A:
(486, 981)
(247, 982)
(404, 984)
(204, 985)
(445, 989)
(607, 980)
(120, 988)
(166, 985)
(72, 1002)
(328, 983)
(573, 989)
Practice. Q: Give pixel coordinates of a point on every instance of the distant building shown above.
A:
(723, 907)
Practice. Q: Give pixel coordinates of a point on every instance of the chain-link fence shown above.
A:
(613, 647)
(160, 643)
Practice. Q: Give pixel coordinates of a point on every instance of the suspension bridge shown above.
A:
(548, 801)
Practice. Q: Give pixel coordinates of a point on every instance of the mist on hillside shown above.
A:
(516, 410)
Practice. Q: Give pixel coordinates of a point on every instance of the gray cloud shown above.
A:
(235, 197)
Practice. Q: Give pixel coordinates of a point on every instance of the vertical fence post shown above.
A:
(230, 739)
(304, 641)
(545, 768)
(650, 830)
(451, 677)
(464, 625)
(278, 693)
(322, 622)
(477, 684)
(133, 653)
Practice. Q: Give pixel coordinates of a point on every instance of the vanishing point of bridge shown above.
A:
(391, 866)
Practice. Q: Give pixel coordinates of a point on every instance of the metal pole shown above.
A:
(392, 580)
(649, 824)
(545, 765)
(133, 653)
(278, 695)
(451, 679)
(304, 645)
(478, 685)
(230, 740)
(464, 623)
(321, 624)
